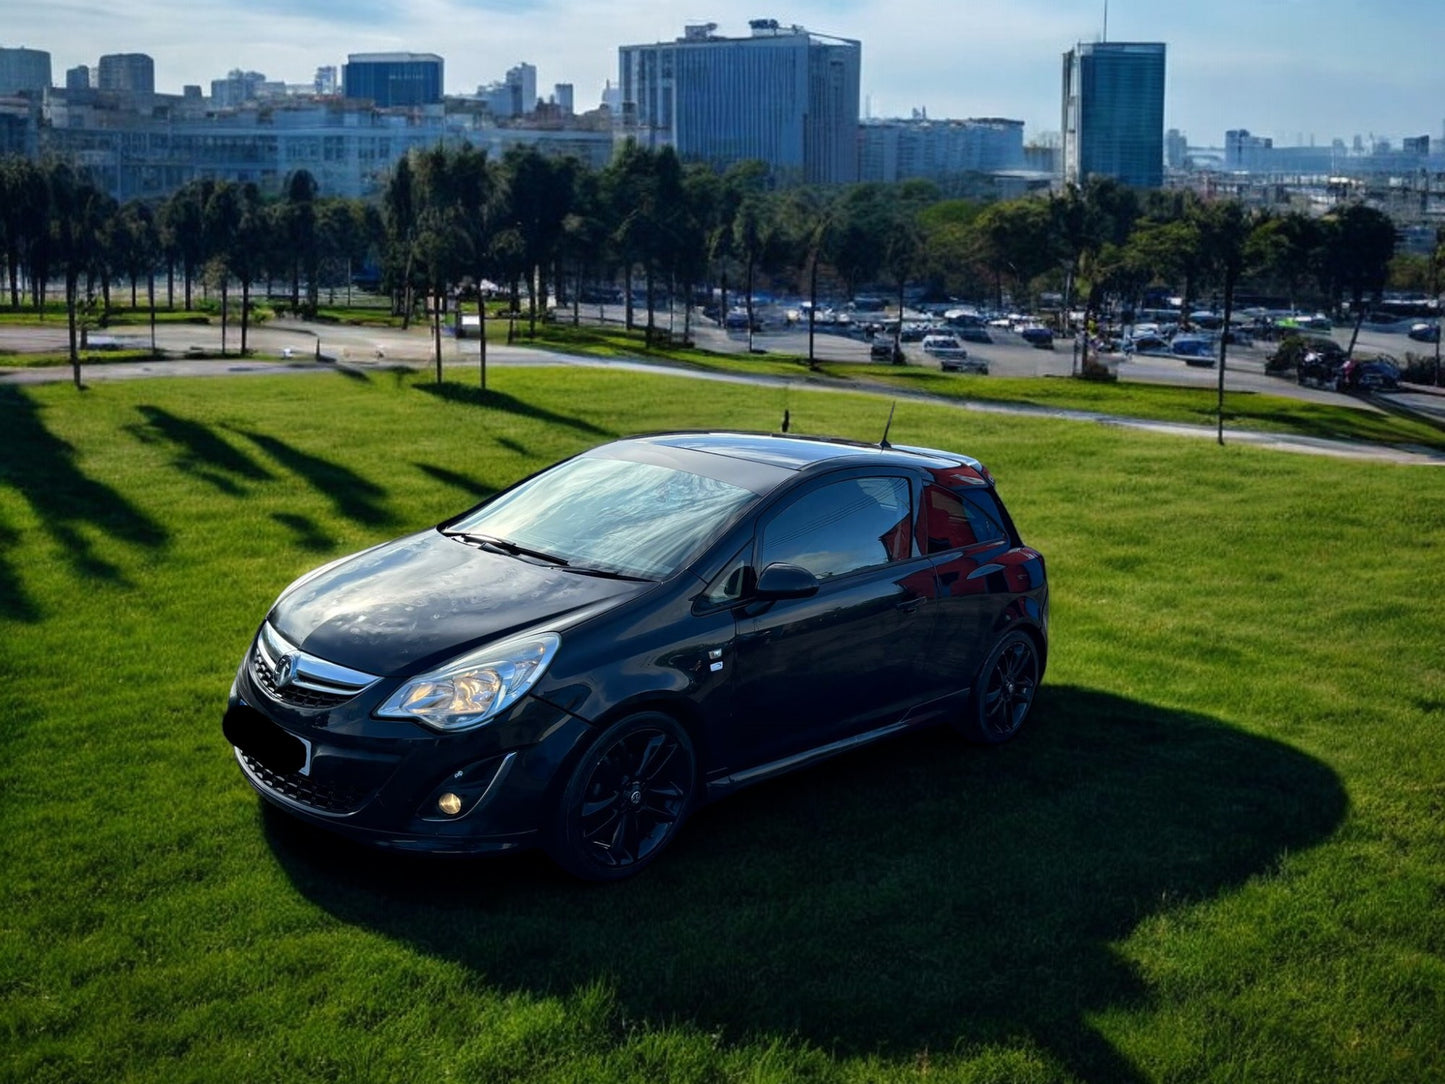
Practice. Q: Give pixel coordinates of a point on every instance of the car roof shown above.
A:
(796, 452)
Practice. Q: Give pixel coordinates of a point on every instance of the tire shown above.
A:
(625, 799)
(1004, 693)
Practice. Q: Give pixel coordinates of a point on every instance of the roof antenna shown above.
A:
(891, 408)
(785, 419)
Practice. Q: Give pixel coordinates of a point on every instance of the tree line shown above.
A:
(450, 221)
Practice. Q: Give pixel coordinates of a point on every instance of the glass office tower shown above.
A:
(1113, 113)
(783, 96)
(393, 79)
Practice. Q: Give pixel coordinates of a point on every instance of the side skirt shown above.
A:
(919, 716)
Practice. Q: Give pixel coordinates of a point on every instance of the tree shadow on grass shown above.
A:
(922, 895)
(496, 400)
(474, 489)
(355, 497)
(70, 506)
(15, 602)
(200, 451)
(308, 535)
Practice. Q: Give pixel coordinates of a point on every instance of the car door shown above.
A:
(811, 670)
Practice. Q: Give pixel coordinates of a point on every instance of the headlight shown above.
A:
(475, 687)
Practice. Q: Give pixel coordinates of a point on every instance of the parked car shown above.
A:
(1379, 373)
(1040, 337)
(1146, 343)
(1194, 349)
(1424, 332)
(1320, 366)
(583, 659)
(883, 348)
(952, 355)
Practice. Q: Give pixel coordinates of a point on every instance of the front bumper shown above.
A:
(379, 781)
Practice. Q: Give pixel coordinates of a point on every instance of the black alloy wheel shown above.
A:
(625, 799)
(1005, 690)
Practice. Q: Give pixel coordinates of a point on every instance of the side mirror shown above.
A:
(785, 581)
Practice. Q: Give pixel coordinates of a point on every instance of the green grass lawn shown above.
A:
(58, 358)
(1218, 853)
(55, 314)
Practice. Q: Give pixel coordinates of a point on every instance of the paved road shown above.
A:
(1007, 355)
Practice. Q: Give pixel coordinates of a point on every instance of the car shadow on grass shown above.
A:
(921, 895)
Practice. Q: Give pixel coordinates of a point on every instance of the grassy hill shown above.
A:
(1219, 853)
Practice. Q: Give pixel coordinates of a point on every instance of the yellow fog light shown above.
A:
(449, 804)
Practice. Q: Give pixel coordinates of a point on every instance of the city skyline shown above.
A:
(1290, 70)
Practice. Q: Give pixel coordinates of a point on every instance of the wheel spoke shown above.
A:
(618, 848)
(655, 757)
(598, 831)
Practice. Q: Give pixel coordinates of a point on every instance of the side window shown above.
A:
(983, 512)
(729, 584)
(842, 527)
(954, 520)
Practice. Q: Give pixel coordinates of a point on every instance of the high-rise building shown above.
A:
(1113, 112)
(1244, 152)
(938, 150)
(77, 78)
(130, 73)
(24, 71)
(325, 81)
(784, 96)
(1176, 149)
(236, 89)
(563, 96)
(393, 79)
(522, 83)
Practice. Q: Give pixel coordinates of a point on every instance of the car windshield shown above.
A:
(610, 515)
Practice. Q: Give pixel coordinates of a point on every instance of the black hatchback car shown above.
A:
(584, 658)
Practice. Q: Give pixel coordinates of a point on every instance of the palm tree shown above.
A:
(1359, 242)
(760, 236)
(24, 213)
(182, 220)
(399, 211)
(811, 216)
(222, 223)
(538, 195)
(79, 210)
(300, 219)
(1224, 230)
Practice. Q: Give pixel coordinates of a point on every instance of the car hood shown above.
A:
(422, 599)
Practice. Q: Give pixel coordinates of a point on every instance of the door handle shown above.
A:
(911, 605)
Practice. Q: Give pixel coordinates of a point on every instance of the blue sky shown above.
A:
(1289, 69)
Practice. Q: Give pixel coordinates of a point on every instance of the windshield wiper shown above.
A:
(503, 545)
(608, 574)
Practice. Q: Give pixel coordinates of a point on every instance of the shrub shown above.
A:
(1420, 369)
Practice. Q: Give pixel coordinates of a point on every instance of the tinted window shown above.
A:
(728, 585)
(842, 527)
(983, 512)
(955, 520)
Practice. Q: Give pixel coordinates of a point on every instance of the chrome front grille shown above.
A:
(309, 682)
